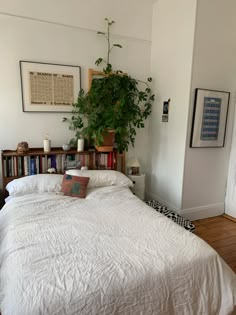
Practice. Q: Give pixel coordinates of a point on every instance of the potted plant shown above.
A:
(114, 102)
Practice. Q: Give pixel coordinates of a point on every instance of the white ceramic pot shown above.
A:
(80, 145)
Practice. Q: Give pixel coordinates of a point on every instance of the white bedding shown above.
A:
(106, 254)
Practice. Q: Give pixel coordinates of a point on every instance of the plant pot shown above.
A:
(80, 145)
(108, 142)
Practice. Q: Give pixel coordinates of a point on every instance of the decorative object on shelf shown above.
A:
(114, 101)
(66, 146)
(22, 147)
(49, 87)
(72, 164)
(209, 118)
(80, 145)
(51, 170)
(84, 168)
(46, 144)
(133, 166)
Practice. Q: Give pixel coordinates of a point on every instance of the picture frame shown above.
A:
(94, 74)
(209, 118)
(97, 74)
(48, 87)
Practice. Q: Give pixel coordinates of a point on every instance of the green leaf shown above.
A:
(98, 61)
(101, 33)
(117, 45)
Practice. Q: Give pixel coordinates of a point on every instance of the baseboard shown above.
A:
(203, 212)
(229, 217)
(195, 213)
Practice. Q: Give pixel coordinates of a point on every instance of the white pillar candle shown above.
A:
(80, 145)
(47, 145)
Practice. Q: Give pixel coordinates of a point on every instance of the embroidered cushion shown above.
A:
(74, 186)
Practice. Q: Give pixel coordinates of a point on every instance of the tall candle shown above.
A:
(80, 145)
(47, 145)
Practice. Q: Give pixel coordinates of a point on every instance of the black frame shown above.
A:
(195, 141)
(24, 105)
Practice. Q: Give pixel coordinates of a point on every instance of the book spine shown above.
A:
(37, 168)
(105, 160)
(19, 166)
(15, 166)
(5, 167)
(53, 161)
(63, 160)
(26, 169)
(32, 166)
(58, 164)
(49, 165)
(12, 167)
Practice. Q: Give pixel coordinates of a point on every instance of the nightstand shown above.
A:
(139, 185)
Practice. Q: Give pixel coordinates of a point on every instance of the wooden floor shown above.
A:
(220, 233)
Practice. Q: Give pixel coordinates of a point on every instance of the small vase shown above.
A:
(80, 145)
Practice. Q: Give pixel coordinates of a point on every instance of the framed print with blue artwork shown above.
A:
(209, 118)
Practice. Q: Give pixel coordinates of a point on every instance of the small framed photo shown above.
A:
(164, 118)
(49, 87)
(209, 118)
(166, 108)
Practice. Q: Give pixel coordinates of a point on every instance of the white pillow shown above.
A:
(35, 183)
(101, 178)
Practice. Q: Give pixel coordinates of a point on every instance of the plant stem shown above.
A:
(108, 43)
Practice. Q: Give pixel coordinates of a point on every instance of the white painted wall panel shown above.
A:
(171, 64)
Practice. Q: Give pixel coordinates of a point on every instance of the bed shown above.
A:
(107, 253)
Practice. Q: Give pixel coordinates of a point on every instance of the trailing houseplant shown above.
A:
(114, 101)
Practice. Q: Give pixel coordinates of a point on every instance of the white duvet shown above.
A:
(106, 254)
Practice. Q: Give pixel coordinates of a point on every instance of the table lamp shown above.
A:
(133, 166)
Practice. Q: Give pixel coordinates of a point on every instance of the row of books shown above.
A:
(31, 165)
(105, 160)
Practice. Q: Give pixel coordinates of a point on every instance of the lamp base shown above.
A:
(134, 170)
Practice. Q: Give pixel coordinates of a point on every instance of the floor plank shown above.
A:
(220, 233)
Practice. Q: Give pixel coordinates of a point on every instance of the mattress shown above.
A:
(106, 254)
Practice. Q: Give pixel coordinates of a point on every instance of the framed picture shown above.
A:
(49, 87)
(94, 74)
(209, 118)
(97, 74)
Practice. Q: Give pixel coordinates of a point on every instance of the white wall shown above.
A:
(133, 17)
(214, 67)
(56, 31)
(171, 64)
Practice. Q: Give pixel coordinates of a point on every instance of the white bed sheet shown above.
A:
(106, 254)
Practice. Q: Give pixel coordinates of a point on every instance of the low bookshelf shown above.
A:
(36, 161)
